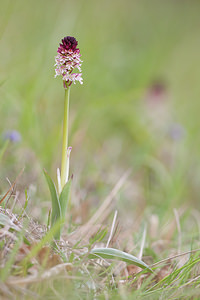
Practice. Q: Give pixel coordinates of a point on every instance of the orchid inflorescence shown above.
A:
(68, 59)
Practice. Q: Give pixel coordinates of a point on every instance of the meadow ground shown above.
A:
(134, 132)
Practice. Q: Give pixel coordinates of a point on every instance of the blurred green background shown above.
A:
(138, 107)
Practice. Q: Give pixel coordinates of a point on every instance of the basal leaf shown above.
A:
(56, 209)
(110, 253)
(64, 198)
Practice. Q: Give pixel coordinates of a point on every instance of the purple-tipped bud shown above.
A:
(69, 149)
(68, 59)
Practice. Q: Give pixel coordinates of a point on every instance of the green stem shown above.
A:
(64, 161)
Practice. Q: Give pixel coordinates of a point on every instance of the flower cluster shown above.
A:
(68, 59)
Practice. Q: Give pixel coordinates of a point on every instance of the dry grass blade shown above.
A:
(174, 256)
(142, 243)
(103, 211)
(53, 272)
(112, 229)
(104, 206)
(12, 186)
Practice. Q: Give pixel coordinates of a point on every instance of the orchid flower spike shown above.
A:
(68, 59)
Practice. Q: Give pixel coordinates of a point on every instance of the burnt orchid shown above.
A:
(67, 61)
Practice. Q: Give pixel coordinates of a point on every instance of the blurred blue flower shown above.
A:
(177, 132)
(12, 135)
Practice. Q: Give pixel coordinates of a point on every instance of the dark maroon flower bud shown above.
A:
(157, 90)
(68, 43)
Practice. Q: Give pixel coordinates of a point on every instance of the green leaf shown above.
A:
(111, 253)
(56, 209)
(64, 198)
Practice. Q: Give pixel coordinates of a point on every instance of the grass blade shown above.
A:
(5, 272)
(6, 221)
(47, 239)
(3, 150)
(110, 253)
